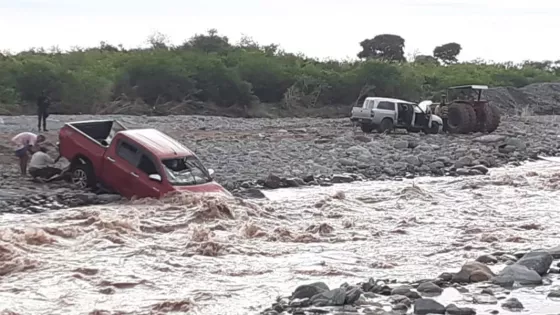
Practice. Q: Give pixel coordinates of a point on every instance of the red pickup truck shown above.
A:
(132, 162)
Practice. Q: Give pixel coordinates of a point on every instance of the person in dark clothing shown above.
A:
(43, 103)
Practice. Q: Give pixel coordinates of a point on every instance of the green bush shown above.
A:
(209, 69)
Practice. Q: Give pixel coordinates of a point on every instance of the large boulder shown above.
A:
(517, 273)
(309, 290)
(473, 271)
(539, 261)
(330, 298)
(555, 252)
(429, 288)
(428, 306)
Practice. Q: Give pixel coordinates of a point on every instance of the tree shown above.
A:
(448, 53)
(211, 42)
(426, 60)
(386, 47)
(158, 41)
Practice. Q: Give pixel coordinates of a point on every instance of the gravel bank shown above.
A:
(275, 153)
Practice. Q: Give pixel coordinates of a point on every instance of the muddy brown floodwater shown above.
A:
(210, 255)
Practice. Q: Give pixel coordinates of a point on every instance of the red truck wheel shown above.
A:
(83, 176)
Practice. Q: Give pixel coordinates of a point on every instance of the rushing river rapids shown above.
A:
(217, 256)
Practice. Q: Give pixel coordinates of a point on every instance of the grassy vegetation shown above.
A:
(209, 72)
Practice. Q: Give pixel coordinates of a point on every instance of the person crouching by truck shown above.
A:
(40, 165)
(24, 142)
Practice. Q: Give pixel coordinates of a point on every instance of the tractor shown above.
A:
(467, 111)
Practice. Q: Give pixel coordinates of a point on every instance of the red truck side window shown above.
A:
(128, 152)
(147, 166)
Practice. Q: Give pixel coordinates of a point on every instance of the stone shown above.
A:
(555, 252)
(507, 257)
(463, 162)
(436, 165)
(538, 261)
(413, 160)
(487, 259)
(426, 158)
(366, 159)
(362, 138)
(512, 304)
(517, 273)
(295, 182)
(554, 294)
(108, 198)
(300, 302)
(272, 182)
(487, 291)
(444, 159)
(400, 299)
(463, 172)
(329, 298)
(352, 294)
(517, 143)
(446, 276)
(481, 168)
(347, 162)
(506, 149)
(473, 271)
(338, 179)
(309, 290)
(413, 295)
(490, 139)
(357, 150)
(402, 290)
(429, 288)
(428, 306)
(484, 299)
(252, 193)
(400, 144)
(309, 178)
(400, 308)
(453, 309)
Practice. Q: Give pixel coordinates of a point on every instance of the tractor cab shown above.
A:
(466, 93)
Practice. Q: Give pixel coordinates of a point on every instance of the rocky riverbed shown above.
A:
(273, 153)
(475, 287)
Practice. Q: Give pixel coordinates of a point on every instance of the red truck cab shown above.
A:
(133, 162)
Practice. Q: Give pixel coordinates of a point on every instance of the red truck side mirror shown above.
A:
(155, 177)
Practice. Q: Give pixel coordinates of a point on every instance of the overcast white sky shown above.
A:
(496, 30)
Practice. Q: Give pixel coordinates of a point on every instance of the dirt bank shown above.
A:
(534, 99)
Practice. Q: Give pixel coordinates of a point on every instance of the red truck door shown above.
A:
(119, 166)
(143, 185)
(128, 167)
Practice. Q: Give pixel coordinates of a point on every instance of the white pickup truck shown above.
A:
(385, 114)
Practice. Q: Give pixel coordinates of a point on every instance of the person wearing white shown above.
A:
(41, 165)
(24, 142)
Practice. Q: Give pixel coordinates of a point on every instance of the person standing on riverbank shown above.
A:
(24, 142)
(43, 103)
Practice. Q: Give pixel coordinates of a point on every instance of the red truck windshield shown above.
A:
(185, 171)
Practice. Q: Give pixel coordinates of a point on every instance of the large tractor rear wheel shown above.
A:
(483, 118)
(494, 119)
(461, 118)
